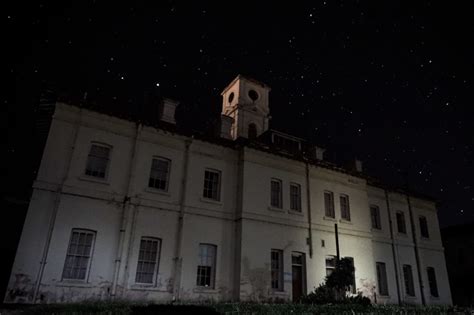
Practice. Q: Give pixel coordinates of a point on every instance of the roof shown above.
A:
(149, 117)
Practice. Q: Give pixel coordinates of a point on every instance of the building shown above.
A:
(127, 210)
(458, 241)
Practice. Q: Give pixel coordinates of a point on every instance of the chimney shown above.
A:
(168, 110)
(358, 165)
(318, 153)
(226, 126)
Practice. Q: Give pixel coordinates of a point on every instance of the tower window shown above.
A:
(253, 95)
(252, 131)
(231, 97)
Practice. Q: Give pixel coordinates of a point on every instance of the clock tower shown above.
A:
(245, 100)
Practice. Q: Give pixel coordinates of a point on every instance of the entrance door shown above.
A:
(298, 275)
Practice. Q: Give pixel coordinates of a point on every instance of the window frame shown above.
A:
(219, 183)
(212, 275)
(330, 267)
(382, 280)
(168, 173)
(398, 222)
(424, 230)
(347, 210)
(279, 270)
(280, 193)
(89, 262)
(298, 197)
(156, 267)
(378, 220)
(332, 211)
(109, 159)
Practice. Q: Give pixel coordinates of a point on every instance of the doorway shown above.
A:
(298, 270)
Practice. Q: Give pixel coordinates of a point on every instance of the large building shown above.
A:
(122, 209)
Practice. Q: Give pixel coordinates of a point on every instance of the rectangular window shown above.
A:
(329, 204)
(206, 269)
(382, 278)
(276, 194)
(295, 197)
(352, 286)
(148, 260)
(212, 184)
(424, 227)
(401, 222)
(330, 264)
(432, 282)
(277, 269)
(97, 161)
(345, 209)
(159, 174)
(375, 217)
(408, 277)
(78, 254)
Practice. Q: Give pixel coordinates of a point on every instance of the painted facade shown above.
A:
(237, 227)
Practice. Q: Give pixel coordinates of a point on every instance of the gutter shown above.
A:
(308, 199)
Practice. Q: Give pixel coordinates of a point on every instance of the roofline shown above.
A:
(235, 144)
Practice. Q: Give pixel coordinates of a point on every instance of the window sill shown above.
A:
(329, 219)
(276, 209)
(295, 212)
(385, 297)
(74, 283)
(157, 191)
(423, 238)
(345, 221)
(205, 290)
(376, 230)
(94, 179)
(402, 234)
(436, 298)
(145, 287)
(213, 201)
(278, 292)
(410, 297)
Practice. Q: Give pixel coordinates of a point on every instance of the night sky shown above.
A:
(388, 83)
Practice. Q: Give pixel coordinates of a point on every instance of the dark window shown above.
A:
(97, 161)
(295, 197)
(252, 131)
(276, 194)
(277, 269)
(345, 209)
(206, 269)
(432, 282)
(401, 222)
(78, 254)
(212, 184)
(286, 144)
(231, 97)
(148, 258)
(408, 277)
(375, 217)
(352, 287)
(329, 204)
(382, 278)
(159, 174)
(253, 95)
(330, 264)
(424, 227)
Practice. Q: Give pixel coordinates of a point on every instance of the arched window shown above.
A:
(252, 131)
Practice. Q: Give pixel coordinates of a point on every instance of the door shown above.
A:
(298, 275)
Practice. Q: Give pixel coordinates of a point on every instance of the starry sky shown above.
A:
(389, 83)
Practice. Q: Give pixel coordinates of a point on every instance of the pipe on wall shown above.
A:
(394, 251)
(176, 275)
(125, 210)
(308, 201)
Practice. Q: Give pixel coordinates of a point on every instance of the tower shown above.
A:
(245, 100)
